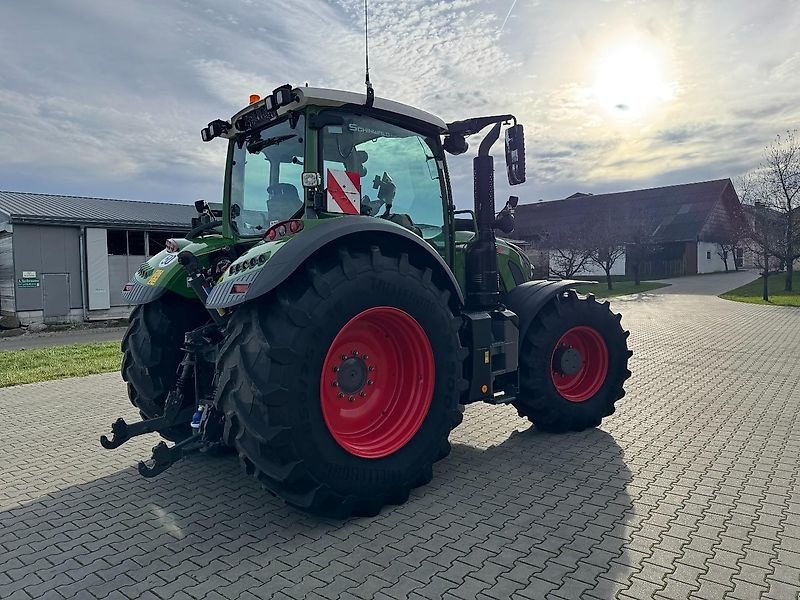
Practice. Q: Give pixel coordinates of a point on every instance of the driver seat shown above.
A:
(283, 202)
(404, 220)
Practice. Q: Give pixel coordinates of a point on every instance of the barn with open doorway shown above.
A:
(66, 258)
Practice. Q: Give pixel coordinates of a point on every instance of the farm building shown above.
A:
(680, 227)
(66, 258)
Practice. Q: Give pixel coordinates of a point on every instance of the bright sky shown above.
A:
(107, 98)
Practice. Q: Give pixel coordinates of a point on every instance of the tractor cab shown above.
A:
(354, 164)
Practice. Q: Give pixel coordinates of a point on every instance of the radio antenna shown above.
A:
(370, 91)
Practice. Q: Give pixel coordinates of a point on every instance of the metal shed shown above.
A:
(66, 258)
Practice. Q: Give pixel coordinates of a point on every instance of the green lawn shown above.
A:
(621, 288)
(752, 291)
(42, 364)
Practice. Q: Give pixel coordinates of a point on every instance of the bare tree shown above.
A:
(776, 186)
(766, 233)
(606, 244)
(727, 250)
(733, 240)
(762, 228)
(568, 252)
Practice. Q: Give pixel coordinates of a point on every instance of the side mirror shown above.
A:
(455, 144)
(504, 221)
(204, 212)
(515, 154)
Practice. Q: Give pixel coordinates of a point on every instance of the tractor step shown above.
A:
(500, 398)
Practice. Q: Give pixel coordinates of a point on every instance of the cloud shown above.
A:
(108, 98)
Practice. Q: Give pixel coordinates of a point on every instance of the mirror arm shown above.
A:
(472, 126)
(489, 140)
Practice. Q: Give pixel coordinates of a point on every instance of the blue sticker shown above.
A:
(168, 259)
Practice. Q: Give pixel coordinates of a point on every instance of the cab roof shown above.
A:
(308, 96)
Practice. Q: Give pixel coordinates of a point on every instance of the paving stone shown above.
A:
(676, 590)
(687, 490)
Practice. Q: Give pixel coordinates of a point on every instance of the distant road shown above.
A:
(62, 338)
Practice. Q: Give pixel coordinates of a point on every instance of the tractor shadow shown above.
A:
(561, 501)
(550, 504)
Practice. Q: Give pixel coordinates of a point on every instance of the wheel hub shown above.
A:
(352, 375)
(568, 361)
(579, 363)
(377, 382)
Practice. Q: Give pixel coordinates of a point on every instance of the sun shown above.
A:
(631, 80)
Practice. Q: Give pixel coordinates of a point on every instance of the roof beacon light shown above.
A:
(254, 98)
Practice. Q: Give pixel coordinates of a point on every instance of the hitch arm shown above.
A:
(165, 456)
(121, 431)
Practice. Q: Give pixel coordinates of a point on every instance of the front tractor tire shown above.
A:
(151, 353)
(340, 388)
(573, 364)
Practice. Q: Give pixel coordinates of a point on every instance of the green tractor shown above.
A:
(332, 318)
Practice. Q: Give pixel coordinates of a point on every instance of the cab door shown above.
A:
(381, 170)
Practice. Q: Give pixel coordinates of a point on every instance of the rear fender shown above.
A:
(528, 299)
(284, 257)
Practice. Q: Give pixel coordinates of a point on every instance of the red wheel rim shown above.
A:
(579, 363)
(377, 382)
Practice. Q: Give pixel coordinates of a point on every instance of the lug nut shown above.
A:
(344, 356)
(365, 357)
(352, 398)
(341, 395)
(362, 394)
(355, 352)
(371, 368)
(370, 382)
(335, 369)
(335, 383)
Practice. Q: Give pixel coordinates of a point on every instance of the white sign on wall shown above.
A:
(28, 274)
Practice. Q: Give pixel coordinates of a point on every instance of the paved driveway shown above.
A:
(712, 284)
(690, 490)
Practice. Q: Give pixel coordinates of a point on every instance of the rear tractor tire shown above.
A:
(573, 363)
(340, 388)
(152, 352)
